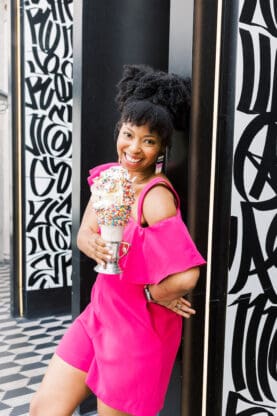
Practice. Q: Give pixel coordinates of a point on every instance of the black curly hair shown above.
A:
(156, 98)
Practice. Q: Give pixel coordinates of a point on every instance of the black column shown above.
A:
(206, 24)
(180, 62)
(107, 35)
(204, 41)
(222, 208)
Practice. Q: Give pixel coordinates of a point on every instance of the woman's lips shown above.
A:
(131, 159)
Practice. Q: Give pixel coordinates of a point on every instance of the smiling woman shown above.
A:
(143, 305)
(138, 149)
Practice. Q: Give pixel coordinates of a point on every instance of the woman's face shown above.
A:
(138, 148)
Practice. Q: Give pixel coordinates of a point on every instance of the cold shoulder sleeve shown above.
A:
(158, 251)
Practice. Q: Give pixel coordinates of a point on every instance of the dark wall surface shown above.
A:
(107, 35)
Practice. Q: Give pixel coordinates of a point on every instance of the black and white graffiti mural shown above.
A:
(250, 377)
(48, 26)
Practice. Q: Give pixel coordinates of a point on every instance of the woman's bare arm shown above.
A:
(175, 285)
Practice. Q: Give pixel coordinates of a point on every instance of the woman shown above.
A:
(123, 346)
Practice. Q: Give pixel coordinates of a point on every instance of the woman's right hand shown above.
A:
(99, 250)
(96, 248)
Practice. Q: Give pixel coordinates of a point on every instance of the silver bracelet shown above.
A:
(148, 295)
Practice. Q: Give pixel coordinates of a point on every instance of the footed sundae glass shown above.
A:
(112, 198)
(113, 235)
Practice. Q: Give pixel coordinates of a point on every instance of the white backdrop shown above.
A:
(5, 148)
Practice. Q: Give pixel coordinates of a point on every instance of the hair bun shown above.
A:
(141, 82)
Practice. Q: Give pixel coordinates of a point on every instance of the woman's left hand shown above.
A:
(181, 306)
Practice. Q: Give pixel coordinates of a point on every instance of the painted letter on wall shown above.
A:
(48, 142)
(250, 364)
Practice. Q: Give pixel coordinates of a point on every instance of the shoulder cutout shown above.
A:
(159, 204)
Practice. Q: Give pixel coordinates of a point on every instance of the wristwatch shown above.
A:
(148, 295)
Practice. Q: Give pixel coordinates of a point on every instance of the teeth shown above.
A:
(131, 159)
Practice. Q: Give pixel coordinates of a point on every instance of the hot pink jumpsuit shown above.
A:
(126, 345)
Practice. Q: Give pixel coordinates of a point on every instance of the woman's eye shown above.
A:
(127, 134)
(149, 142)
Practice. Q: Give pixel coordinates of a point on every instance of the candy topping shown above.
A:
(112, 196)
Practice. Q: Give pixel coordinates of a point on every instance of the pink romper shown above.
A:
(126, 345)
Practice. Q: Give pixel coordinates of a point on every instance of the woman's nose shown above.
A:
(135, 146)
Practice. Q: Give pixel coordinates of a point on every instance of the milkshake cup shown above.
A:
(112, 197)
(112, 233)
(113, 236)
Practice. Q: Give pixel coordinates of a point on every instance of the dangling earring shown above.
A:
(159, 164)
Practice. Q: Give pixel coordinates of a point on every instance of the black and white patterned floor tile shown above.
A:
(25, 349)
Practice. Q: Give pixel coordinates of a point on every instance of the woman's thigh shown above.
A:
(62, 389)
(105, 410)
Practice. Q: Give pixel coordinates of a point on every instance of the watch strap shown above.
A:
(148, 295)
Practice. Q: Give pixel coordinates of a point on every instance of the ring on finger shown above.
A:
(178, 306)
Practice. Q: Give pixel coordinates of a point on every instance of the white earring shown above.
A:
(159, 164)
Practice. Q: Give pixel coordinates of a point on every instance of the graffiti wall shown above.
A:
(48, 65)
(250, 377)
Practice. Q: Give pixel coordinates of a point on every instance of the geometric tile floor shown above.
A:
(25, 349)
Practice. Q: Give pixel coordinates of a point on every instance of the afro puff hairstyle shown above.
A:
(156, 98)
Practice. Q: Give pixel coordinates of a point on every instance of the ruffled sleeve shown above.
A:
(159, 250)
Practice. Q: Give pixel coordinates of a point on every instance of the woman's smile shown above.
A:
(132, 159)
